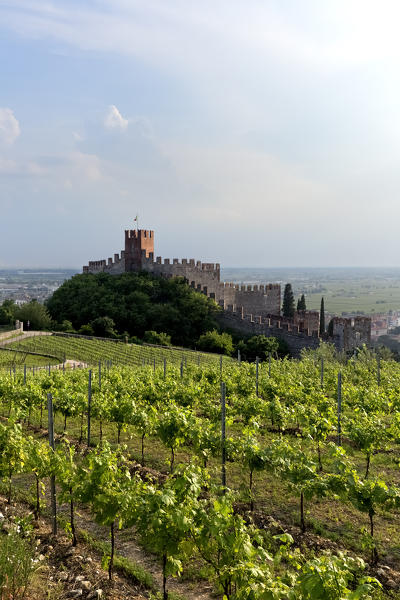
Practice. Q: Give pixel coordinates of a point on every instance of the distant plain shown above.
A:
(368, 290)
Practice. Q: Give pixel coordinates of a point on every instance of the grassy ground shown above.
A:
(18, 359)
(368, 296)
(338, 523)
(91, 351)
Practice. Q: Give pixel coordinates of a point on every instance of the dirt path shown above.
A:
(24, 336)
(127, 546)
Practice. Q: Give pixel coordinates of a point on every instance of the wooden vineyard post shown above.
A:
(223, 435)
(181, 369)
(25, 374)
(378, 374)
(220, 367)
(322, 372)
(154, 365)
(257, 368)
(239, 357)
(339, 407)
(52, 478)
(99, 374)
(269, 364)
(165, 368)
(89, 407)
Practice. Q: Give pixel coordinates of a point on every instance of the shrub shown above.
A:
(152, 337)
(212, 341)
(17, 565)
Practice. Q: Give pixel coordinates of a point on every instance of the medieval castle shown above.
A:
(249, 309)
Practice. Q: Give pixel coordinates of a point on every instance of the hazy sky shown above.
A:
(252, 132)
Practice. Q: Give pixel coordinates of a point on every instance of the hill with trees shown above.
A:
(133, 304)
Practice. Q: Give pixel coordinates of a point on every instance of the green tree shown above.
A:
(322, 317)
(37, 315)
(103, 327)
(330, 328)
(136, 302)
(66, 326)
(7, 312)
(258, 345)
(86, 330)
(288, 302)
(301, 303)
(160, 339)
(212, 341)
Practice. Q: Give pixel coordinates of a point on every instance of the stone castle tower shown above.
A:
(139, 243)
(252, 310)
(138, 255)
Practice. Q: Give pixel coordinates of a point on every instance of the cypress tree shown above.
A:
(301, 303)
(288, 302)
(330, 328)
(322, 317)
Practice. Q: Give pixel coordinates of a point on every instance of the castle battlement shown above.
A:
(138, 255)
(251, 309)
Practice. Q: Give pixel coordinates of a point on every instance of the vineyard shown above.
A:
(93, 351)
(276, 480)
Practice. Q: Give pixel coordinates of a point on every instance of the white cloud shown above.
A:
(114, 119)
(9, 126)
(8, 167)
(87, 165)
(13, 167)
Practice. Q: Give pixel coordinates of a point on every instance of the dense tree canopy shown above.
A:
(33, 312)
(212, 341)
(136, 302)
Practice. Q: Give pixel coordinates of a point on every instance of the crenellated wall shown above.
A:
(204, 277)
(270, 327)
(240, 302)
(352, 333)
(307, 319)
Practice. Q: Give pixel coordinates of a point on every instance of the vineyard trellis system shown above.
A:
(281, 422)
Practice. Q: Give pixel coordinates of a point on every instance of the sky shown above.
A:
(257, 133)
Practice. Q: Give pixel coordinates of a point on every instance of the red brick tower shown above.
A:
(138, 243)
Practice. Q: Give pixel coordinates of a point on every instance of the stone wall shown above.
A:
(239, 302)
(352, 333)
(288, 332)
(203, 277)
(307, 319)
(347, 333)
(18, 329)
